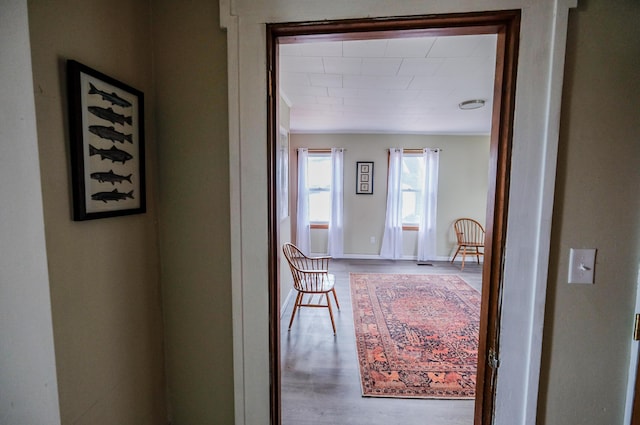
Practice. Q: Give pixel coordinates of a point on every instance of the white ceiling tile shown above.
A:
(435, 96)
(326, 80)
(299, 100)
(358, 109)
(301, 64)
(398, 95)
(367, 81)
(476, 84)
(314, 108)
(330, 100)
(420, 66)
(328, 48)
(462, 68)
(308, 91)
(366, 102)
(422, 82)
(380, 66)
(364, 48)
(454, 46)
(347, 66)
(409, 47)
(341, 108)
(372, 90)
(342, 92)
(424, 107)
(292, 79)
(290, 49)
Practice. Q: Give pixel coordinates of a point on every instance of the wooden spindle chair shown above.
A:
(470, 236)
(310, 277)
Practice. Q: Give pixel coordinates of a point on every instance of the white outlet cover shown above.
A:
(582, 263)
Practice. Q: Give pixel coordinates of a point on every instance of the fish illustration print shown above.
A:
(110, 177)
(111, 196)
(109, 115)
(114, 154)
(113, 98)
(110, 133)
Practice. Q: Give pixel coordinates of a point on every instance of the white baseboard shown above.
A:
(286, 302)
(360, 257)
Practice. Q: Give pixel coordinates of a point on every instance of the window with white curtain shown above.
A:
(320, 198)
(412, 193)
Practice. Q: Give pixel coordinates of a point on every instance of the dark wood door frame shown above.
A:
(506, 24)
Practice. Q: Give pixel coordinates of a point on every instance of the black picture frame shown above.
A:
(364, 178)
(106, 129)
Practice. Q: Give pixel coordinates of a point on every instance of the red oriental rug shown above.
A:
(416, 335)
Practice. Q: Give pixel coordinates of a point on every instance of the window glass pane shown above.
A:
(411, 172)
(319, 206)
(412, 178)
(319, 171)
(319, 180)
(410, 211)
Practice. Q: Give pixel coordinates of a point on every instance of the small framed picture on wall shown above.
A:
(364, 178)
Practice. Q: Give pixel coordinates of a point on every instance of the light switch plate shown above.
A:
(582, 263)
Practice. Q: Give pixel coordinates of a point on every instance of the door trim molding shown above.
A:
(506, 25)
(534, 154)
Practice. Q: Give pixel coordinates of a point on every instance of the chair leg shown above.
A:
(456, 254)
(335, 297)
(295, 308)
(333, 324)
(478, 255)
(464, 255)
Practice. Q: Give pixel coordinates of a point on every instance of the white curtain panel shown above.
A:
(429, 206)
(336, 227)
(392, 237)
(303, 228)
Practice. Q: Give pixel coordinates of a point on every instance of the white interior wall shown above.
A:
(29, 390)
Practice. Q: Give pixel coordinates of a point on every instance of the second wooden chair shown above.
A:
(470, 236)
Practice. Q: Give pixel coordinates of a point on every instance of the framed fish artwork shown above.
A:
(106, 128)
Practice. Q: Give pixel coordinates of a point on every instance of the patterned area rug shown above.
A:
(416, 335)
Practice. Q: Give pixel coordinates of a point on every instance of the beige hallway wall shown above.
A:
(588, 328)
(105, 294)
(192, 133)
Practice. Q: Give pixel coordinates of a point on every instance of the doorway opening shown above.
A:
(505, 25)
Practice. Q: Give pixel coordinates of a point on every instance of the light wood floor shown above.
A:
(320, 377)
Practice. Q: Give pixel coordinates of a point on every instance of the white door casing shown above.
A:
(532, 181)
